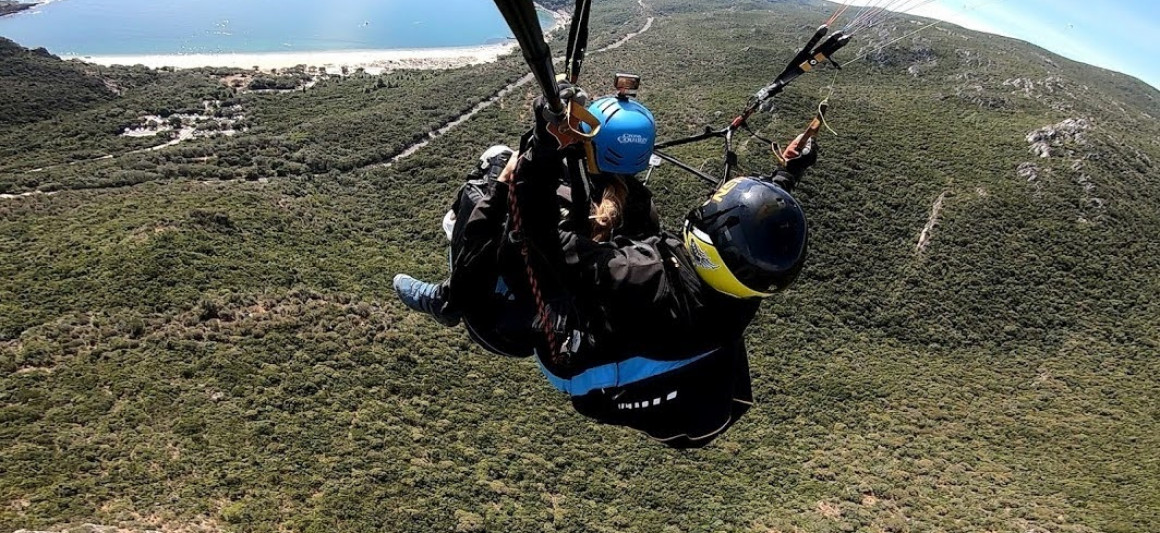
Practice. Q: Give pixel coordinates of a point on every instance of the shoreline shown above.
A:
(332, 61)
(7, 9)
(372, 61)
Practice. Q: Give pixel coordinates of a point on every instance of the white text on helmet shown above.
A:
(632, 138)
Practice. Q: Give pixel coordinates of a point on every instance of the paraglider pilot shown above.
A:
(652, 323)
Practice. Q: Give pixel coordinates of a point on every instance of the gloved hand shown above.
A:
(545, 140)
(799, 158)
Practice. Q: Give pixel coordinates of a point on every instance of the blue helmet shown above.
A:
(627, 133)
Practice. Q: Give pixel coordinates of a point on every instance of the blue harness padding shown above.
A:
(618, 374)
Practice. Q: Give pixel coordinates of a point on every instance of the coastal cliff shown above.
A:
(9, 8)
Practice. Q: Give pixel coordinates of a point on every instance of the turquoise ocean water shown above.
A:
(136, 27)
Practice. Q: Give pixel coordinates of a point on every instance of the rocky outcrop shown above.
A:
(10, 8)
(1036, 89)
(1066, 141)
(1063, 138)
(1028, 171)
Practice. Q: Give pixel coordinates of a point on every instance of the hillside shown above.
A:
(35, 85)
(203, 337)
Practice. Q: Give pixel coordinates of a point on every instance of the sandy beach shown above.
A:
(372, 61)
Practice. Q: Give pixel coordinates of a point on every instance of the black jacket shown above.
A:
(488, 282)
(637, 294)
(661, 350)
(657, 349)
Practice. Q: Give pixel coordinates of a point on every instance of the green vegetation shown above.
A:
(204, 337)
(35, 85)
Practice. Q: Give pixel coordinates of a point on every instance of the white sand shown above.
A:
(373, 61)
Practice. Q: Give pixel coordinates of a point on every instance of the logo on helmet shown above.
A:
(632, 138)
(724, 190)
(700, 258)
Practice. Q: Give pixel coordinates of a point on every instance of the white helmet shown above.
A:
(490, 153)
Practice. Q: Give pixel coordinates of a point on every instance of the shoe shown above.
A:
(425, 298)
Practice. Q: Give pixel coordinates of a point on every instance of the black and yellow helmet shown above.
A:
(749, 240)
